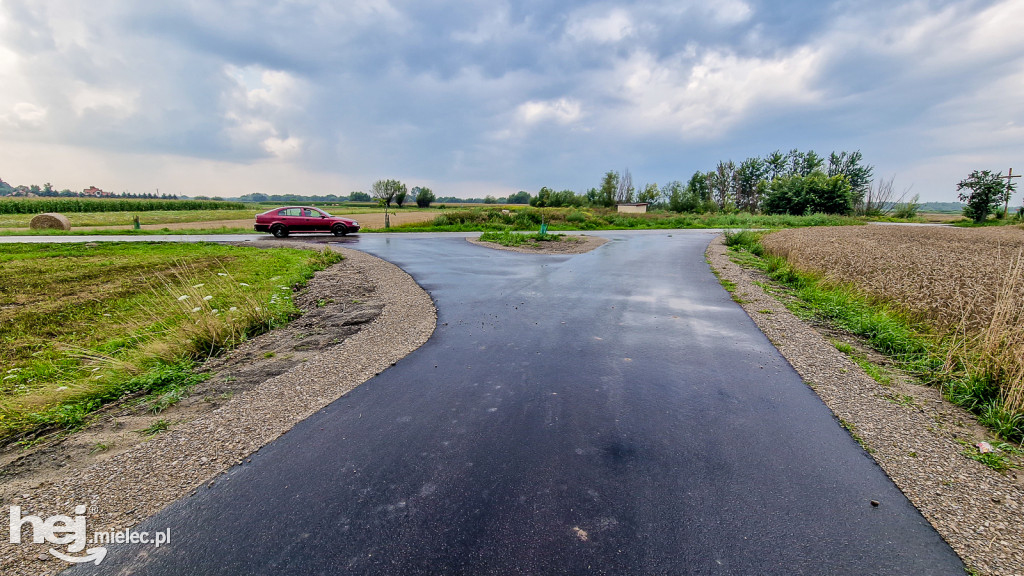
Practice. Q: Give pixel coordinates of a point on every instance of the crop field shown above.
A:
(946, 275)
(238, 220)
(966, 284)
(81, 325)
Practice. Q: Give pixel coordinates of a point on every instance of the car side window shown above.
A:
(310, 213)
(290, 212)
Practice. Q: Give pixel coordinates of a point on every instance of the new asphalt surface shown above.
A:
(607, 413)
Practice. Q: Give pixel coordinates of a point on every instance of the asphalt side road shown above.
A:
(607, 413)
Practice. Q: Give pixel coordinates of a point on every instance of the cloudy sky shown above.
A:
(472, 98)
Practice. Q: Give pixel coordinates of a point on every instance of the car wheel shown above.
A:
(339, 230)
(279, 231)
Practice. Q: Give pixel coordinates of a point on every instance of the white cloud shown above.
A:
(612, 27)
(26, 115)
(561, 111)
(730, 12)
(709, 96)
(260, 110)
(110, 102)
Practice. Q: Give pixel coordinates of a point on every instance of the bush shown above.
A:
(811, 194)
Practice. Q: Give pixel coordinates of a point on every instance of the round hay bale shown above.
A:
(50, 221)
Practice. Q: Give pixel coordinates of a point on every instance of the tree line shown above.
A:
(794, 183)
(48, 191)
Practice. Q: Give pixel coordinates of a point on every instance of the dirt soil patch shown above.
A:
(917, 437)
(567, 245)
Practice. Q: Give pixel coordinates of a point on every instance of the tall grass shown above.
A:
(996, 353)
(38, 205)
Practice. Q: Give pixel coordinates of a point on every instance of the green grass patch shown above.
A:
(82, 326)
(876, 372)
(513, 239)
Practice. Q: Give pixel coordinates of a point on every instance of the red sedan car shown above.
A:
(283, 221)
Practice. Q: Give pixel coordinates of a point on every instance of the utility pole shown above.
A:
(1009, 183)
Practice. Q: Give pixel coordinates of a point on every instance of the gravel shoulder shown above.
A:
(275, 393)
(567, 245)
(912, 433)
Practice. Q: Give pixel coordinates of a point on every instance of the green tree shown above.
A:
(423, 197)
(803, 163)
(400, 196)
(699, 189)
(521, 197)
(775, 165)
(983, 192)
(811, 194)
(359, 197)
(675, 193)
(650, 194)
(609, 187)
(723, 184)
(748, 179)
(385, 191)
(850, 164)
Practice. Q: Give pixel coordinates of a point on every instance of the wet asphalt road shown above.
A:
(608, 413)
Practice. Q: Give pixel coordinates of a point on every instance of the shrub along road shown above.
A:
(612, 412)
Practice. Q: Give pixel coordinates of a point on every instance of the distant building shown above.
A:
(634, 207)
(95, 192)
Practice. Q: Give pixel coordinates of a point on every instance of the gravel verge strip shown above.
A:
(978, 511)
(123, 491)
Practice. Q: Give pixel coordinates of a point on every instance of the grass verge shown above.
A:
(83, 326)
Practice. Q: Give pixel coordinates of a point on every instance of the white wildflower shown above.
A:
(242, 284)
(207, 297)
(221, 274)
(199, 285)
(184, 297)
(233, 309)
(196, 309)
(61, 388)
(95, 369)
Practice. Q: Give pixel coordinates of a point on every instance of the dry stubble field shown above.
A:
(944, 274)
(967, 283)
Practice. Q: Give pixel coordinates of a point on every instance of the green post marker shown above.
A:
(135, 223)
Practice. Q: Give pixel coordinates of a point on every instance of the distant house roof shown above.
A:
(634, 204)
